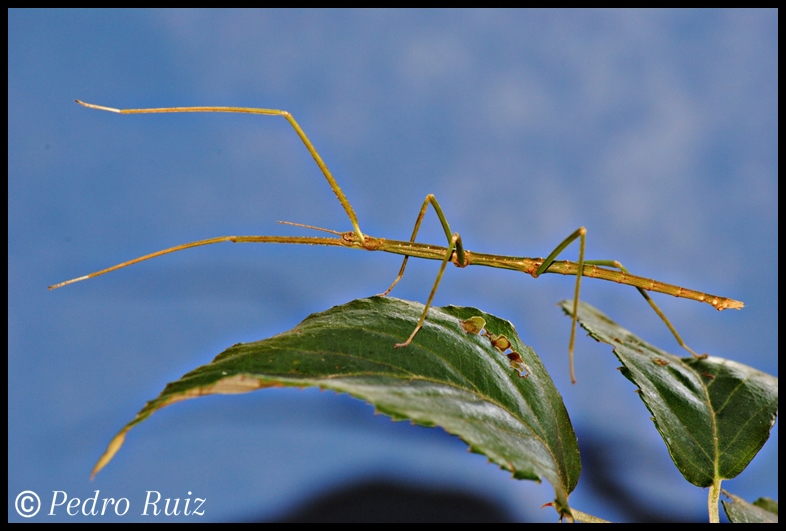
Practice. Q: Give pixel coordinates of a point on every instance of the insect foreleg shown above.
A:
(252, 110)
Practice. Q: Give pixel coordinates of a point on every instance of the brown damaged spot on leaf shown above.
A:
(499, 342)
(503, 344)
(518, 365)
(473, 325)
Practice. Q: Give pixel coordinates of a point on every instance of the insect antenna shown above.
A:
(309, 227)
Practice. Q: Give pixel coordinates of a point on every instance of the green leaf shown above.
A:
(739, 511)
(714, 414)
(768, 504)
(451, 375)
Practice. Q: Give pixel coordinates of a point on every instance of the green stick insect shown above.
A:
(454, 252)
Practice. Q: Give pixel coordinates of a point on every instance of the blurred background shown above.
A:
(657, 130)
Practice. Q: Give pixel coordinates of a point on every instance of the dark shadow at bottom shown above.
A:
(386, 501)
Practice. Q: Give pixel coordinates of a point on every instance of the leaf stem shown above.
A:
(713, 499)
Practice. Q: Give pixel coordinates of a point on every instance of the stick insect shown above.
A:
(455, 253)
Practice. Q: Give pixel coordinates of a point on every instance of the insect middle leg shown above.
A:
(455, 247)
(430, 199)
(454, 240)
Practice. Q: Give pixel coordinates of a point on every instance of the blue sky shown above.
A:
(657, 130)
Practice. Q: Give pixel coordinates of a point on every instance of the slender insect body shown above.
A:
(454, 252)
